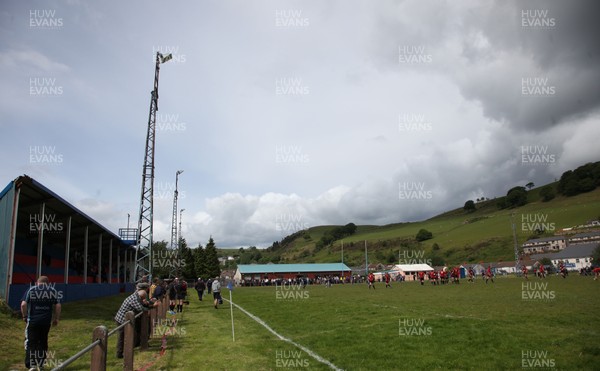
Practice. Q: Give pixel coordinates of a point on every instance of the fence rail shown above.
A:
(99, 345)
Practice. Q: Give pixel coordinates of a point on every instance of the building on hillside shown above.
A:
(260, 272)
(505, 267)
(545, 244)
(358, 270)
(375, 267)
(409, 271)
(575, 257)
(478, 268)
(42, 234)
(225, 259)
(584, 238)
(380, 276)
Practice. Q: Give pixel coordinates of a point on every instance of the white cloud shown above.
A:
(356, 155)
(31, 60)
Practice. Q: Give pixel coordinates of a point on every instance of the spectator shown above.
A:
(173, 295)
(181, 294)
(159, 290)
(40, 308)
(135, 302)
(216, 289)
(200, 287)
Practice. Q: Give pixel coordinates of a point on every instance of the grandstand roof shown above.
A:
(32, 194)
(292, 268)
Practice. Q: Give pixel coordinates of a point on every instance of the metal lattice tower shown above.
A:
(143, 252)
(180, 217)
(174, 238)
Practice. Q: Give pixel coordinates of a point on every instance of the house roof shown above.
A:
(292, 268)
(413, 267)
(575, 251)
(544, 239)
(504, 264)
(583, 235)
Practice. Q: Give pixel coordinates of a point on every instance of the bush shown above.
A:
(547, 193)
(516, 196)
(469, 206)
(423, 235)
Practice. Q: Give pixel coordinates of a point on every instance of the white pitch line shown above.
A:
(281, 337)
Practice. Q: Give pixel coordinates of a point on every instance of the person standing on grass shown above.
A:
(371, 280)
(159, 290)
(542, 271)
(387, 280)
(563, 269)
(181, 294)
(153, 286)
(489, 275)
(216, 290)
(40, 309)
(525, 271)
(136, 302)
(200, 287)
(443, 275)
(173, 295)
(596, 272)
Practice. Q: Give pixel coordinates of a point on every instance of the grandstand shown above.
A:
(43, 234)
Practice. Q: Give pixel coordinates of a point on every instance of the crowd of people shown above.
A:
(147, 296)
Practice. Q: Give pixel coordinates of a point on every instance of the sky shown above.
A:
(289, 114)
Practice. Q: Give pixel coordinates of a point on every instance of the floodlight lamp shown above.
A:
(165, 58)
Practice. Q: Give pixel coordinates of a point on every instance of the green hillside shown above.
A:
(458, 236)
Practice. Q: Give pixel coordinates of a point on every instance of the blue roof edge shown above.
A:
(8, 187)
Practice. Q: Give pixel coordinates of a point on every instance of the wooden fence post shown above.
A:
(129, 341)
(98, 362)
(165, 305)
(144, 324)
(154, 318)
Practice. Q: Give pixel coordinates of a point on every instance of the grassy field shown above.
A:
(466, 326)
(407, 327)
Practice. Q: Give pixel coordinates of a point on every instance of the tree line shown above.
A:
(583, 179)
(186, 262)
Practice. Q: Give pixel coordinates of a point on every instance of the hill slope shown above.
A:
(458, 236)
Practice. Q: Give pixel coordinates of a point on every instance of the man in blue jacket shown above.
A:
(40, 308)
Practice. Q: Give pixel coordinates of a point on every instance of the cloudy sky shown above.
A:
(290, 114)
